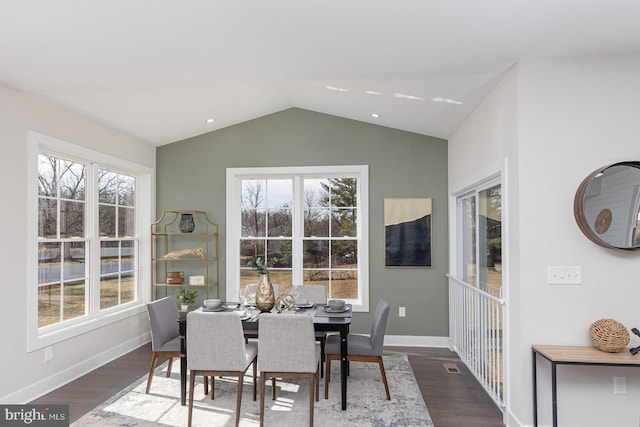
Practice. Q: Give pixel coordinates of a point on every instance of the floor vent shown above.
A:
(451, 368)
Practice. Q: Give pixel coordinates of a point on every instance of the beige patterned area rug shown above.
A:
(367, 404)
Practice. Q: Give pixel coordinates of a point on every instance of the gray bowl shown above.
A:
(336, 304)
(211, 303)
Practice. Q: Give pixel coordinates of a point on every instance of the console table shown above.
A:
(566, 355)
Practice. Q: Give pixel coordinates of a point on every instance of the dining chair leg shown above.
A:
(152, 368)
(255, 376)
(169, 367)
(263, 382)
(239, 398)
(312, 380)
(273, 388)
(327, 376)
(192, 380)
(384, 377)
(205, 380)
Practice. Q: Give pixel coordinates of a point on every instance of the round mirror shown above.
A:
(607, 206)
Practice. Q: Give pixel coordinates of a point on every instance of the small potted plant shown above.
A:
(186, 298)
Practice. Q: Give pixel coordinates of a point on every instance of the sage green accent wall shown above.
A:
(191, 174)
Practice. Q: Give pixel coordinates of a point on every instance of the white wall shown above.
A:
(487, 144)
(574, 115)
(26, 375)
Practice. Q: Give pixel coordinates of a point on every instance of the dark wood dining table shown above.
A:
(339, 322)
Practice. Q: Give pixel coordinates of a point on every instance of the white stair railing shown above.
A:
(475, 333)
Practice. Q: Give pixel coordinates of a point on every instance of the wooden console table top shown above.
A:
(586, 355)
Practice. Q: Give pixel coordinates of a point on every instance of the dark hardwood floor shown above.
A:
(454, 400)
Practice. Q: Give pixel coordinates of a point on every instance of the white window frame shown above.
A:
(38, 338)
(233, 223)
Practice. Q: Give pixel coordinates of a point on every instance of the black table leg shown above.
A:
(344, 366)
(183, 363)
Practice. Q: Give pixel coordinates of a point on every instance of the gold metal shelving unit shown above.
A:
(173, 250)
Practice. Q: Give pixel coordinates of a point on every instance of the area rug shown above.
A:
(367, 404)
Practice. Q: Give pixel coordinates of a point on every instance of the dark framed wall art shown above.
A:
(407, 230)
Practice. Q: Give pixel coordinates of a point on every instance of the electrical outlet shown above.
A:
(402, 312)
(564, 275)
(48, 354)
(619, 385)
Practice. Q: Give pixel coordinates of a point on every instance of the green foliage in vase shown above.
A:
(260, 266)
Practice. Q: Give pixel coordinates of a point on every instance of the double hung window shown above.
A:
(309, 223)
(87, 242)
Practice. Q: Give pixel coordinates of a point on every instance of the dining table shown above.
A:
(324, 320)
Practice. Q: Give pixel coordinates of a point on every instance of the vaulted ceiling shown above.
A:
(159, 69)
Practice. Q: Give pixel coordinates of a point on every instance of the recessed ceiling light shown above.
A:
(446, 100)
(373, 92)
(375, 115)
(336, 89)
(211, 120)
(405, 96)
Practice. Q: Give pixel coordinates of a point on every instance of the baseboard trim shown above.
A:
(513, 421)
(47, 385)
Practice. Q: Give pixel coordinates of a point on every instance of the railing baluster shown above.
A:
(475, 333)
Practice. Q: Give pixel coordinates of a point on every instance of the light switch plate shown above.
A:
(619, 385)
(571, 275)
(48, 354)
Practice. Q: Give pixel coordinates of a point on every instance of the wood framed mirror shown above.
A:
(607, 206)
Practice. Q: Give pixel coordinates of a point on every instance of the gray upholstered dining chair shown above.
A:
(287, 349)
(316, 294)
(361, 348)
(216, 346)
(165, 334)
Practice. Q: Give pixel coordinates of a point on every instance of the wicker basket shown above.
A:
(609, 335)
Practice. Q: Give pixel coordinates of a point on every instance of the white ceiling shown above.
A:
(157, 69)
